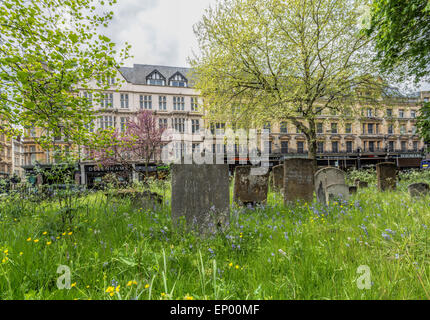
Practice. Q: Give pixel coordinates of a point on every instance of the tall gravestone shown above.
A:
(337, 191)
(326, 177)
(201, 196)
(250, 188)
(386, 173)
(418, 189)
(278, 177)
(298, 180)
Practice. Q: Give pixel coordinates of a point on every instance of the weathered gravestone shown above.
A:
(250, 188)
(201, 195)
(361, 184)
(418, 189)
(337, 191)
(352, 189)
(386, 174)
(298, 180)
(325, 177)
(278, 177)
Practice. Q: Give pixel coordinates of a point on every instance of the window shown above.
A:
(390, 129)
(178, 81)
(196, 147)
(403, 145)
(162, 123)
(178, 103)
(348, 128)
(107, 100)
(124, 100)
(349, 146)
(389, 112)
(195, 126)
(370, 128)
(267, 126)
(401, 113)
(318, 110)
(320, 147)
(335, 146)
(180, 149)
(194, 105)
(284, 127)
(391, 146)
(162, 102)
(106, 122)
(415, 145)
(426, 99)
(298, 130)
(300, 147)
(413, 113)
(156, 79)
(123, 123)
(284, 146)
(320, 127)
(369, 112)
(89, 97)
(334, 128)
(371, 146)
(179, 124)
(402, 129)
(145, 102)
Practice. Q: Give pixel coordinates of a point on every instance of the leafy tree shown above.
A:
(47, 47)
(283, 60)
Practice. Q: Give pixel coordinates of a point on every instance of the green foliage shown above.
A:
(401, 30)
(270, 252)
(47, 49)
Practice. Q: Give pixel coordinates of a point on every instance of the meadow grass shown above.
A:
(306, 251)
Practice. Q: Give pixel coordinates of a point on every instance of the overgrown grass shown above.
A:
(273, 252)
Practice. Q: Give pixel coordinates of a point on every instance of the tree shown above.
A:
(142, 141)
(47, 47)
(402, 33)
(283, 60)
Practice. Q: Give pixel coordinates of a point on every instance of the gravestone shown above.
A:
(386, 174)
(337, 191)
(250, 188)
(418, 189)
(298, 180)
(352, 189)
(278, 177)
(361, 184)
(201, 195)
(325, 177)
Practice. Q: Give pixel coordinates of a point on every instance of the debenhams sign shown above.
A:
(104, 169)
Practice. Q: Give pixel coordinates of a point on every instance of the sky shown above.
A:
(161, 31)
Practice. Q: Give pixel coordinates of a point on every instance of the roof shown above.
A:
(139, 72)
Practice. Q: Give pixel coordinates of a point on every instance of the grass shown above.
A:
(273, 252)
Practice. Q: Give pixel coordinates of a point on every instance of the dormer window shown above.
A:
(156, 79)
(178, 80)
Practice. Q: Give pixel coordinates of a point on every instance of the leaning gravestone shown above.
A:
(325, 177)
(250, 188)
(336, 191)
(278, 177)
(201, 195)
(298, 180)
(386, 174)
(352, 189)
(418, 189)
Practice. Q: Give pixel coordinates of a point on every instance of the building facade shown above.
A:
(386, 132)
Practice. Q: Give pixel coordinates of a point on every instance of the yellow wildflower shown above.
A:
(36, 240)
(21, 253)
(110, 289)
(70, 233)
(146, 286)
(49, 243)
(187, 297)
(230, 264)
(131, 282)
(237, 267)
(73, 284)
(45, 233)
(29, 239)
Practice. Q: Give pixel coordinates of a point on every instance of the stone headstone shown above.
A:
(418, 189)
(298, 180)
(278, 177)
(352, 189)
(325, 177)
(386, 173)
(201, 195)
(337, 191)
(39, 180)
(361, 184)
(250, 188)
